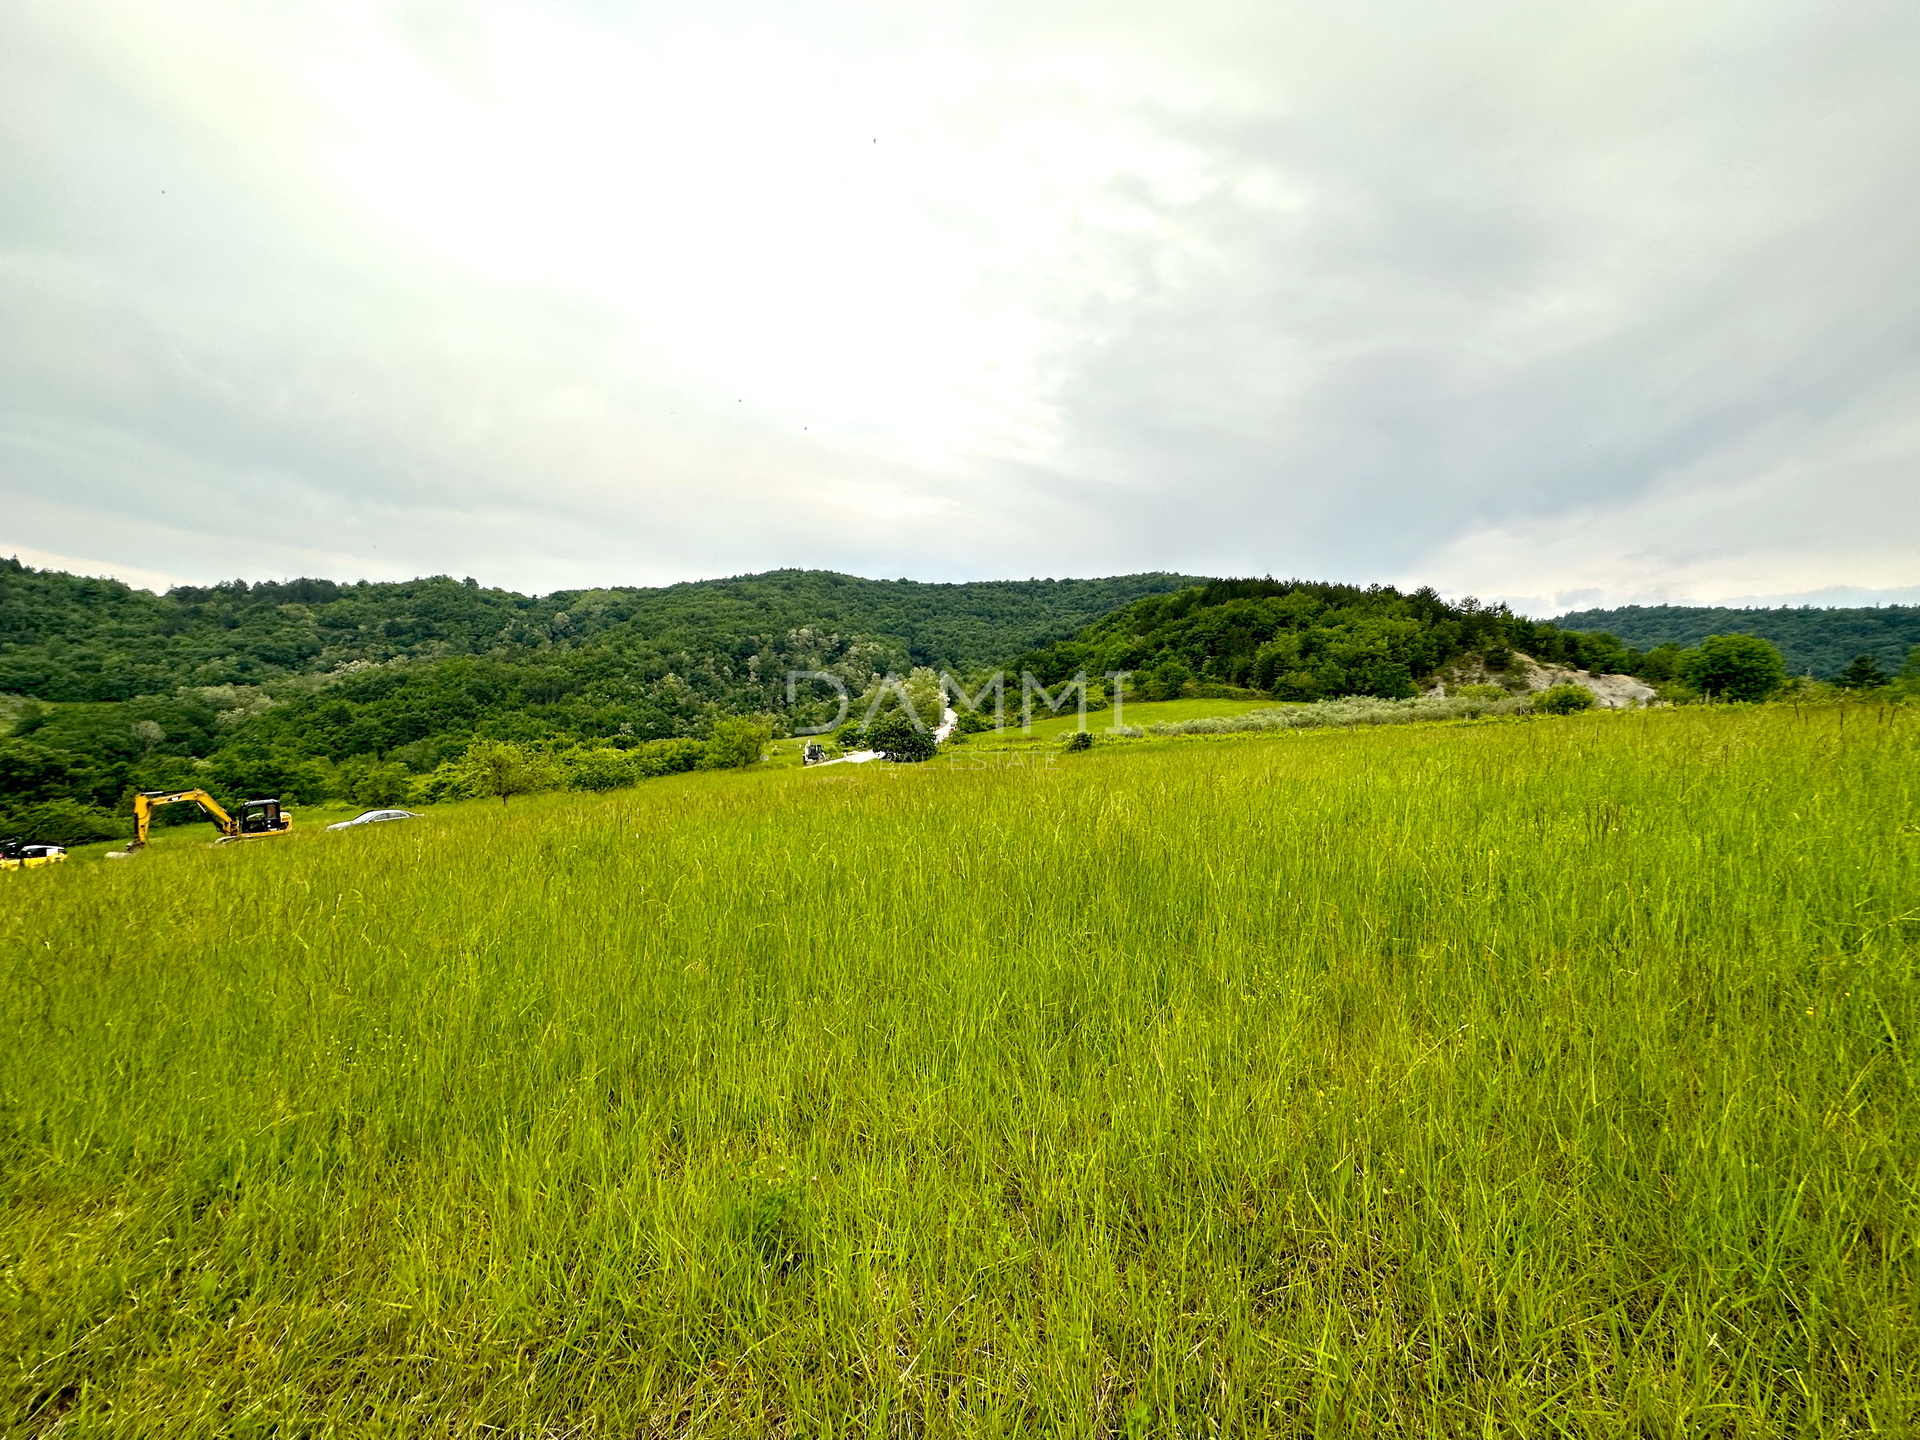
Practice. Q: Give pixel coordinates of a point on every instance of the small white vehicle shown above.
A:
(374, 817)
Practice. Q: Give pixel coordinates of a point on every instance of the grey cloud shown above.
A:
(1442, 274)
(1366, 376)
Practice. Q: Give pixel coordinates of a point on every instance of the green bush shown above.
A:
(1863, 674)
(599, 767)
(1906, 680)
(1167, 681)
(1077, 741)
(1479, 692)
(668, 757)
(737, 743)
(1567, 699)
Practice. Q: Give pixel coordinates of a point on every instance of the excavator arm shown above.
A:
(257, 819)
(147, 801)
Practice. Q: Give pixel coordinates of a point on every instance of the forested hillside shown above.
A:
(1298, 640)
(310, 689)
(1820, 642)
(68, 637)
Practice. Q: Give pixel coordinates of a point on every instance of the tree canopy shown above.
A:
(1304, 640)
(72, 638)
(1734, 667)
(1864, 673)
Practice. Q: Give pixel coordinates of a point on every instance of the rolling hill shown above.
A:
(74, 638)
(297, 687)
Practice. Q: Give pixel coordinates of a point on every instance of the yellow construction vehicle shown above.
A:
(257, 820)
(19, 855)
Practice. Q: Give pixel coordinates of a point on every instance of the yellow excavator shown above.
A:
(257, 820)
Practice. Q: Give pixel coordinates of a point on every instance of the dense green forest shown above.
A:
(1299, 640)
(1813, 642)
(311, 689)
(72, 638)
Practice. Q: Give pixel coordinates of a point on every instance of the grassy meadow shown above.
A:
(1515, 1078)
(1134, 713)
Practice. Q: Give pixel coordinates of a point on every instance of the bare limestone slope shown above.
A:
(1526, 676)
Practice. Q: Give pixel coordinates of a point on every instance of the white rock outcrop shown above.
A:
(1526, 676)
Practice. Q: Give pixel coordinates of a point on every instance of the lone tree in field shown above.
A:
(495, 767)
(898, 739)
(1864, 673)
(1734, 667)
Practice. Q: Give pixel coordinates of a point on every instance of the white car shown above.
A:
(374, 817)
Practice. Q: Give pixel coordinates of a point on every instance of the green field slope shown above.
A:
(1519, 1078)
(1817, 642)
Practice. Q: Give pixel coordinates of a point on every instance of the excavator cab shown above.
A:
(261, 817)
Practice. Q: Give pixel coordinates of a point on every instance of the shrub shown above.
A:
(1565, 699)
(737, 743)
(1479, 692)
(599, 767)
(1355, 710)
(1907, 680)
(1167, 681)
(668, 757)
(1388, 680)
(1077, 741)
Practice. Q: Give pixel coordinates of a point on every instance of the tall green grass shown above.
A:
(1517, 1079)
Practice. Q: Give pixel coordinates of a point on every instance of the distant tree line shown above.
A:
(1821, 643)
(1304, 641)
(72, 638)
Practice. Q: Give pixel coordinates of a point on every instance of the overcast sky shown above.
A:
(1564, 305)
